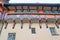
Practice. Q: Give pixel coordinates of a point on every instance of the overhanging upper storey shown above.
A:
(32, 11)
(33, 8)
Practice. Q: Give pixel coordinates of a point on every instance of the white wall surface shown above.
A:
(25, 33)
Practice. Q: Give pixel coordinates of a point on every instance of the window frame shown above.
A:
(53, 31)
(33, 10)
(9, 34)
(33, 30)
(47, 8)
(54, 8)
(32, 7)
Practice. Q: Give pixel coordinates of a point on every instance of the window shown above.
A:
(34, 20)
(53, 31)
(40, 7)
(47, 8)
(19, 7)
(54, 8)
(25, 10)
(33, 30)
(32, 7)
(33, 10)
(51, 21)
(19, 10)
(11, 7)
(11, 36)
(59, 9)
(25, 7)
